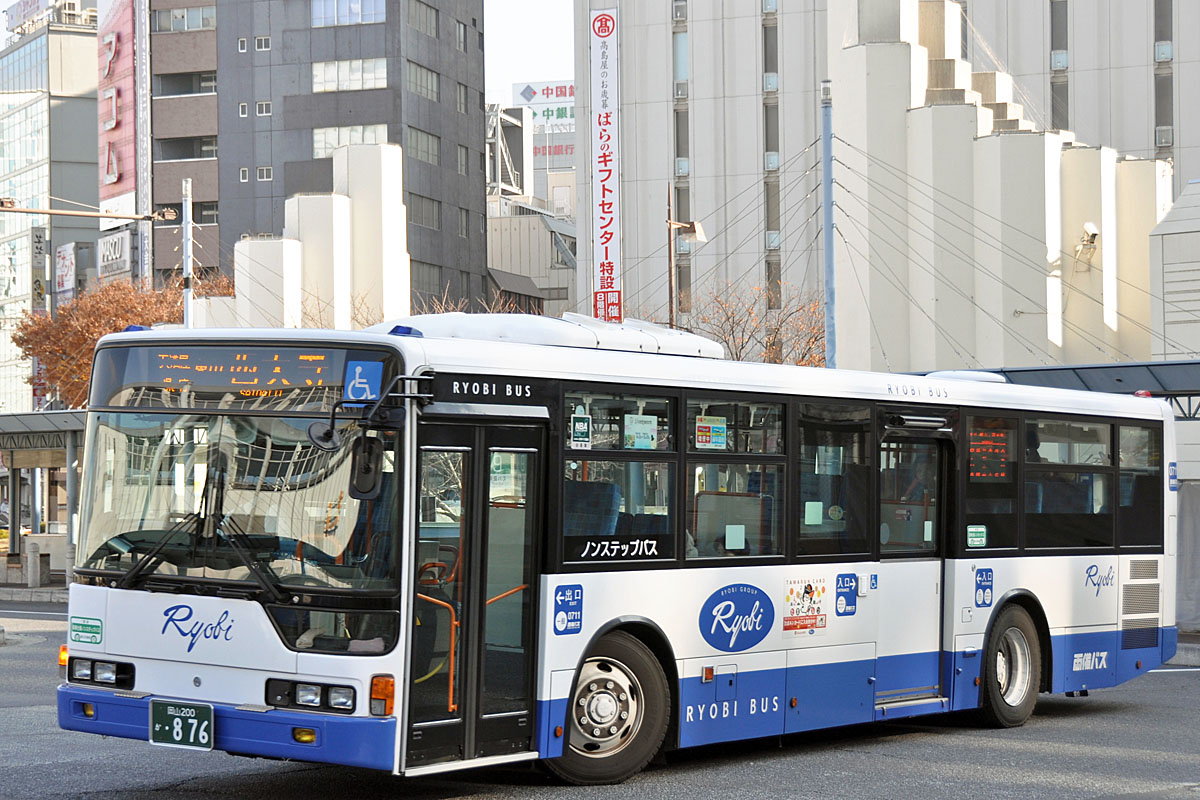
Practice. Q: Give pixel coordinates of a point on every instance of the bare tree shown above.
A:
(445, 303)
(740, 319)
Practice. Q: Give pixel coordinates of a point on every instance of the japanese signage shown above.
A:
(116, 97)
(18, 13)
(553, 105)
(606, 211)
(113, 258)
(41, 388)
(64, 274)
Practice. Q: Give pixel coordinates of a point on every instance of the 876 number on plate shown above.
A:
(181, 724)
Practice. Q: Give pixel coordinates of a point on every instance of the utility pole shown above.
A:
(185, 226)
(670, 262)
(827, 219)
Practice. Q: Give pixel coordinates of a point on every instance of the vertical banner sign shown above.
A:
(606, 211)
(64, 274)
(116, 103)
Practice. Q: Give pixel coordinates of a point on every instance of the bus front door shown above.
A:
(470, 683)
(913, 493)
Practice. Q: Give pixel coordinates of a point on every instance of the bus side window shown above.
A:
(835, 480)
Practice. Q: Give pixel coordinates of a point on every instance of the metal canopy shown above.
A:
(1175, 381)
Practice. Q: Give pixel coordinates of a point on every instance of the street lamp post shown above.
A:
(691, 231)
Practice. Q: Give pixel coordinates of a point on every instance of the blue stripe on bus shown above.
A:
(831, 695)
(352, 741)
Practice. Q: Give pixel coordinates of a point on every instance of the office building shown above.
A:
(251, 98)
(47, 160)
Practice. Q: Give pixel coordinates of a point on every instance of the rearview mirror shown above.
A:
(366, 468)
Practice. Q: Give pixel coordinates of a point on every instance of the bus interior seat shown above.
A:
(590, 508)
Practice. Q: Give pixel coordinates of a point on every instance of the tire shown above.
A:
(1012, 669)
(619, 677)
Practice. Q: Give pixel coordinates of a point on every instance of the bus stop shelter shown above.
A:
(31, 444)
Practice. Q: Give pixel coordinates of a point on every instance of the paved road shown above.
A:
(1137, 741)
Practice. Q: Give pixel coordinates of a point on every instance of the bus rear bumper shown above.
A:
(352, 741)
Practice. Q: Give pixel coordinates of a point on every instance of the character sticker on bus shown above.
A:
(805, 607)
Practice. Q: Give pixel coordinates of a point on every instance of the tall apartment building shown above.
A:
(251, 97)
(1115, 73)
(47, 159)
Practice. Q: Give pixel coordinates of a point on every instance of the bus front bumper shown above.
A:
(353, 741)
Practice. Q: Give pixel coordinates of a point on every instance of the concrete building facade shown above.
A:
(961, 225)
(252, 105)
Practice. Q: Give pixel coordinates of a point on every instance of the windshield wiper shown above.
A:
(126, 580)
(238, 541)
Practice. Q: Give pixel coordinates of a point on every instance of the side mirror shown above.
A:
(366, 468)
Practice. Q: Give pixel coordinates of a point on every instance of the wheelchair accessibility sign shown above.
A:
(362, 381)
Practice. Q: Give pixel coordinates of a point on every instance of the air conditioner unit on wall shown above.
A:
(681, 90)
(1059, 60)
(771, 161)
(679, 10)
(1163, 51)
(770, 81)
(1164, 136)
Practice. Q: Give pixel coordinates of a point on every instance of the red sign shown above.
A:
(603, 25)
(117, 100)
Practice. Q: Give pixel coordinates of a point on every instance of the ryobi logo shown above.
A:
(1093, 577)
(177, 617)
(736, 617)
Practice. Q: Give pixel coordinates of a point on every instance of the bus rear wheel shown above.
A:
(618, 713)
(1012, 669)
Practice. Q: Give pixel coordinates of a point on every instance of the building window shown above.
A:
(326, 13)
(184, 83)
(774, 287)
(1058, 25)
(266, 174)
(194, 18)
(679, 46)
(424, 211)
(463, 155)
(460, 36)
(325, 140)
(262, 43)
(242, 45)
(244, 174)
(243, 110)
(1163, 27)
(184, 148)
(262, 108)
(426, 278)
(424, 146)
(462, 98)
(203, 213)
(423, 17)
(1164, 100)
(350, 75)
(770, 48)
(1060, 108)
(681, 135)
(423, 81)
(464, 223)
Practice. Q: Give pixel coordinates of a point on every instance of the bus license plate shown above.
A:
(177, 724)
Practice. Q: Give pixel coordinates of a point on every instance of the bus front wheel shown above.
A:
(1012, 669)
(618, 713)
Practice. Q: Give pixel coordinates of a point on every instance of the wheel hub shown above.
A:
(608, 709)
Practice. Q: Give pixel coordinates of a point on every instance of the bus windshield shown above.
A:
(187, 497)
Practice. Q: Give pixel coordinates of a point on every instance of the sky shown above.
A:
(526, 41)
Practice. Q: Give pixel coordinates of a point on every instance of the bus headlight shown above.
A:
(81, 669)
(341, 697)
(104, 672)
(308, 694)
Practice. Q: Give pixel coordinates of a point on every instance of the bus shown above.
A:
(468, 540)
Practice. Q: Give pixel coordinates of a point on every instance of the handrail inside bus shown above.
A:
(503, 595)
(451, 706)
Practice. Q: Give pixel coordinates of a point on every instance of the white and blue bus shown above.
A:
(474, 540)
